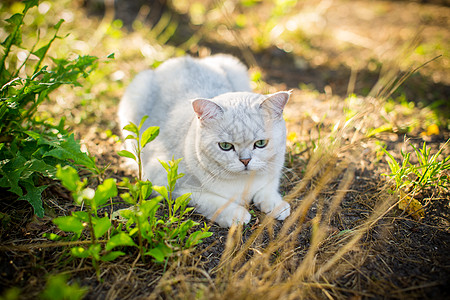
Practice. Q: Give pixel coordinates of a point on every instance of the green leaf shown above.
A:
(149, 135)
(146, 189)
(127, 198)
(39, 166)
(79, 252)
(33, 134)
(58, 25)
(132, 127)
(162, 190)
(69, 223)
(130, 137)
(69, 149)
(94, 251)
(57, 288)
(83, 216)
(101, 226)
(112, 255)
(14, 38)
(188, 209)
(15, 19)
(68, 176)
(41, 52)
(34, 197)
(160, 252)
(149, 208)
(120, 239)
(29, 4)
(196, 238)
(52, 236)
(127, 213)
(106, 190)
(111, 55)
(12, 173)
(125, 153)
(133, 231)
(182, 201)
(144, 118)
(165, 165)
(157, 254)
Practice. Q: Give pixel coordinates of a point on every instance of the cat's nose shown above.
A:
(245, 161)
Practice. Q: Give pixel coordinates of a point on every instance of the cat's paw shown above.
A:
(233, 215)
(281, 211)
(274, 207)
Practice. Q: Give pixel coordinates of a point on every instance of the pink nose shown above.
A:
(245, 161)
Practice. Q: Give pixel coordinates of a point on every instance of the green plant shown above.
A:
(162, 234)
(158, 234)
(96, 225)
(410, 179)
(57, 288)
(31, 148)
(428, 172)
(141, 141)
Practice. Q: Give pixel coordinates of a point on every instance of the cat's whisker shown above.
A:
(288, 171)
(212, 177)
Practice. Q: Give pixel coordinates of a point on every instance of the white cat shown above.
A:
(232, 140)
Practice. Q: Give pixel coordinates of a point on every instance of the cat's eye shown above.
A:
(261, 143)
(226, 146)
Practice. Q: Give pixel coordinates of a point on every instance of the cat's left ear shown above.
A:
(275, 103)
(206, 109)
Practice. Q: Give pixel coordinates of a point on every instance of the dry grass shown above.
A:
(272, 263)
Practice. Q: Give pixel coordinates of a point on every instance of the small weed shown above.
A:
(157, 236)
(162, 236)
(57, 288)
(411, 179)
(428, 172)
(97, 226)
(31, 148)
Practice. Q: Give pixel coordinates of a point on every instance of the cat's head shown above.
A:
(241, 132)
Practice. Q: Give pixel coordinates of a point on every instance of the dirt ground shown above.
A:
(396, 257)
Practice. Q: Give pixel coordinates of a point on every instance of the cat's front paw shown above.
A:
(274, 206)
(281, 211)
(233, 214)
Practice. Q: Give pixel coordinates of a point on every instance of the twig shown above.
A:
(28, 247)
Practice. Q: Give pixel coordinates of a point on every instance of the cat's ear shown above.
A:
(275, 103)
(206, 109)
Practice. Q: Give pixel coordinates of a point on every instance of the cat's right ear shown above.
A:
(206, 109)
(275, 103)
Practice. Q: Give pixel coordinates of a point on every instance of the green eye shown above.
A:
(226, 146)
(261, 143)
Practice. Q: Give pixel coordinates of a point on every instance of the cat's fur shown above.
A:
(175, 97)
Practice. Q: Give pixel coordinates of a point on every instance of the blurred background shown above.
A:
(343, 46)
